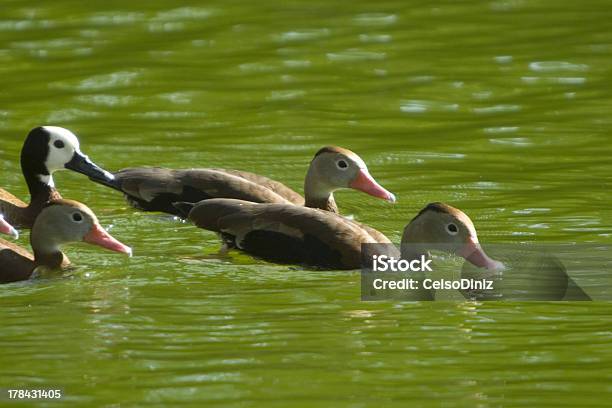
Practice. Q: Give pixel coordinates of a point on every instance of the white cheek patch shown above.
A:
(57, 158)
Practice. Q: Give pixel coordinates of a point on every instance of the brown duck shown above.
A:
(300, 235)
(47, 149)
(59, 222)
(332, 168)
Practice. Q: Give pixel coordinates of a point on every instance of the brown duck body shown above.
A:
(332, 168)
(273, 185)
(287, 233)
(18, 264)
(155, 189)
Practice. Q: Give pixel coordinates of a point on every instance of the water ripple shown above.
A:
(107, 100)
(501, 129)
(497, 109)
(416, 106)
(285, 95)
(503, 59)
(177, 98)
(297, 63)
(514, 141)
(375, 38)
(171, 26)
(527, 211)
(303, 35)
(168, 114)
(375, 19)
(115, 18)
(24, 25)
(69, 115)
(554, 80)
(257, 67)
(184, 13)
(120, 79)
(554, 66)
(354, 55)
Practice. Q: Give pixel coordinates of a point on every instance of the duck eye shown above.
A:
(77, 217)
(452, 229)
(342, 164)
(59, 144)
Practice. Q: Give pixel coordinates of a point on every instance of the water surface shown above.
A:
(500, 108)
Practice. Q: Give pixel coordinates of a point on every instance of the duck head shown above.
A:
(48, 149)
(333, 168)
(6, 228)
(65, 221)
(446, 228)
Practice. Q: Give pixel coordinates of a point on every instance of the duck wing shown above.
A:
(276, 186)
(284, 232)
(156, 189)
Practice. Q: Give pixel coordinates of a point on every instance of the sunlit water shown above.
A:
(501, 108)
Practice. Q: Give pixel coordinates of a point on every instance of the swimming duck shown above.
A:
(59, 222)
(332, 168)
(47, 149)
(300, 235)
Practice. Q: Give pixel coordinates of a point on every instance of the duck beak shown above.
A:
(82, 164)
(473, 253)
(6, 228)
(366, 183)
(99, 236)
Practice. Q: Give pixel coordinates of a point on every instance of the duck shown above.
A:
(59, 222)
(8, 229)
(292, 234)
(46, 149)
(332, 168)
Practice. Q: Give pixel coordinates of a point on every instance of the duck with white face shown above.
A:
(47, 149)
(51, 148)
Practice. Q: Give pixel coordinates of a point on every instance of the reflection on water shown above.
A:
(500, 108)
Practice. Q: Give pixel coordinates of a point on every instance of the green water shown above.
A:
(501, 108)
